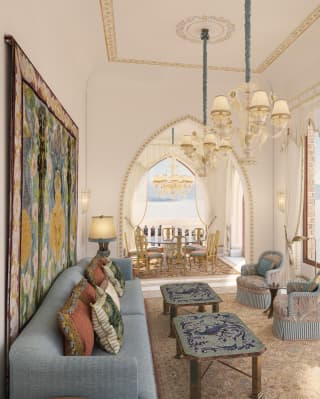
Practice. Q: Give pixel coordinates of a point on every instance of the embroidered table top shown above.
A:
(213, 335)
(189, 294)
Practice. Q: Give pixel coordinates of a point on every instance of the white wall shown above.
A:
(59, 38)
(127, 103)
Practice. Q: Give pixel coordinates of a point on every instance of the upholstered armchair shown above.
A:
(253, 284)
(296, 315)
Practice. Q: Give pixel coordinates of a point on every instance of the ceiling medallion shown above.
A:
(220, 29)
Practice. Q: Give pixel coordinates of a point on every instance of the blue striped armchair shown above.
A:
(253, 284)
(296, 315)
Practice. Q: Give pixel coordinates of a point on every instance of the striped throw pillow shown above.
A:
(107, 322)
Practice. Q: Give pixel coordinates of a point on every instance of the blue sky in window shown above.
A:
(163, 168)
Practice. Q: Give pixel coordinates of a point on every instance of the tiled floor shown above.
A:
(221, 284)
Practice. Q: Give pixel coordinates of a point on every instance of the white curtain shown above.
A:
(203, 206)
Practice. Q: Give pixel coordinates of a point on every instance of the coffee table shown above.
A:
(187, 294)
(214, 336)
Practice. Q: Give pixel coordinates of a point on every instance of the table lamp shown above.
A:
(102, 230)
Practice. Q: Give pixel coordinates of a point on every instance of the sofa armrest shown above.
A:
(249, 269)
(125, 265)
(100, 377)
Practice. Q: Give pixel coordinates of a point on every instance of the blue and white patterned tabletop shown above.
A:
(209, 335)
(189, 294)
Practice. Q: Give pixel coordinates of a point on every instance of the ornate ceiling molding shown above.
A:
(294, 35)
(220, 29)
(111, 44)
(305, 96)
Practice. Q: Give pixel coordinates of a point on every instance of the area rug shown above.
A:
(177, 270)
(290, 370)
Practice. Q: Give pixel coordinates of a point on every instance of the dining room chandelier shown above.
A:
(173, 185)
(247, 112)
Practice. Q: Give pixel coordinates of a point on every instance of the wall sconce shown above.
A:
(281, 197)
(84, 199)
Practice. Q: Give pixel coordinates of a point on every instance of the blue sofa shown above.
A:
(39, 370)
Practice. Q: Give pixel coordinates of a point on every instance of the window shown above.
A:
(312, 197)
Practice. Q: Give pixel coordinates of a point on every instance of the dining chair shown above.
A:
(206, 254)
(146, 258)
(168, 232)
(176, 253)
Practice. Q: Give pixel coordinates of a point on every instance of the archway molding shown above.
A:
(235, 159)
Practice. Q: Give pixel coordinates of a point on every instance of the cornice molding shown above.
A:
(112, 53)
(304, 96)
(294, 35)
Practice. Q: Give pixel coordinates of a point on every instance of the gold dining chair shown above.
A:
(208, 254)
(176, 254)
(167, 233)
(146, 259)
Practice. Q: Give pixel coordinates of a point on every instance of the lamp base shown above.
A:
(103, 249)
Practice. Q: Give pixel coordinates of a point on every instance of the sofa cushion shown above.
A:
(75, 323)
(94, 271)
(107, 322)
(132, 300)
(113, 272)
(136, 345)
(265, 265)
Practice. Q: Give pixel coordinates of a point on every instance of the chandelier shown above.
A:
(173, 185)
(250, 114)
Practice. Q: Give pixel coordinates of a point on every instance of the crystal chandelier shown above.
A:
(247, 112)
(173, 185)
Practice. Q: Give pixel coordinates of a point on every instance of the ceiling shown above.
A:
(145, 32)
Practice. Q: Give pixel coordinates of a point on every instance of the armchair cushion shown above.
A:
(264, 265)
(252, 282)
(313, 284)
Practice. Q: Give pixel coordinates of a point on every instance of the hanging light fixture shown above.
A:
(173, 185)
(201, 149)
(246, 112)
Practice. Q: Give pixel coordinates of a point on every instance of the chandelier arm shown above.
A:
(247, 29)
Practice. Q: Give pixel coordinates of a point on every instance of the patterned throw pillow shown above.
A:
(107, 322)
(75, 323)
(109, 289)
(94, 271)
(85, 291)
(313, 284)
(264, 265)
(115, 275)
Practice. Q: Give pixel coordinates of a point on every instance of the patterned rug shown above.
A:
(290, 370)
(178, 270)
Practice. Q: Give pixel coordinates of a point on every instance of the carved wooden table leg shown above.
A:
(166, 307)
(215, 307)
(201, 308)
(195, 379)
(256, 378)
(173, 313)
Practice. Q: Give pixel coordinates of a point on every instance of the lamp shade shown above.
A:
(102, 229)
(220, 104)
(280, 107)
(259, 99)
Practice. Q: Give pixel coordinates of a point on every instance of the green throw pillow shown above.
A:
(263, 266)
(107, 322)
(115, 275)
(313, 284)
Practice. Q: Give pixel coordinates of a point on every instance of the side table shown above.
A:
(273, 288)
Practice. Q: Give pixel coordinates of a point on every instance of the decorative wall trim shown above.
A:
(294, 35)
(242, 169)
(111, 44)
(305, 96)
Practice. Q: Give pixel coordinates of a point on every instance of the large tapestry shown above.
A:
(43, 191)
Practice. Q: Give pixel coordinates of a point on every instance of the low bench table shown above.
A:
(187, 294)
(214, 336)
